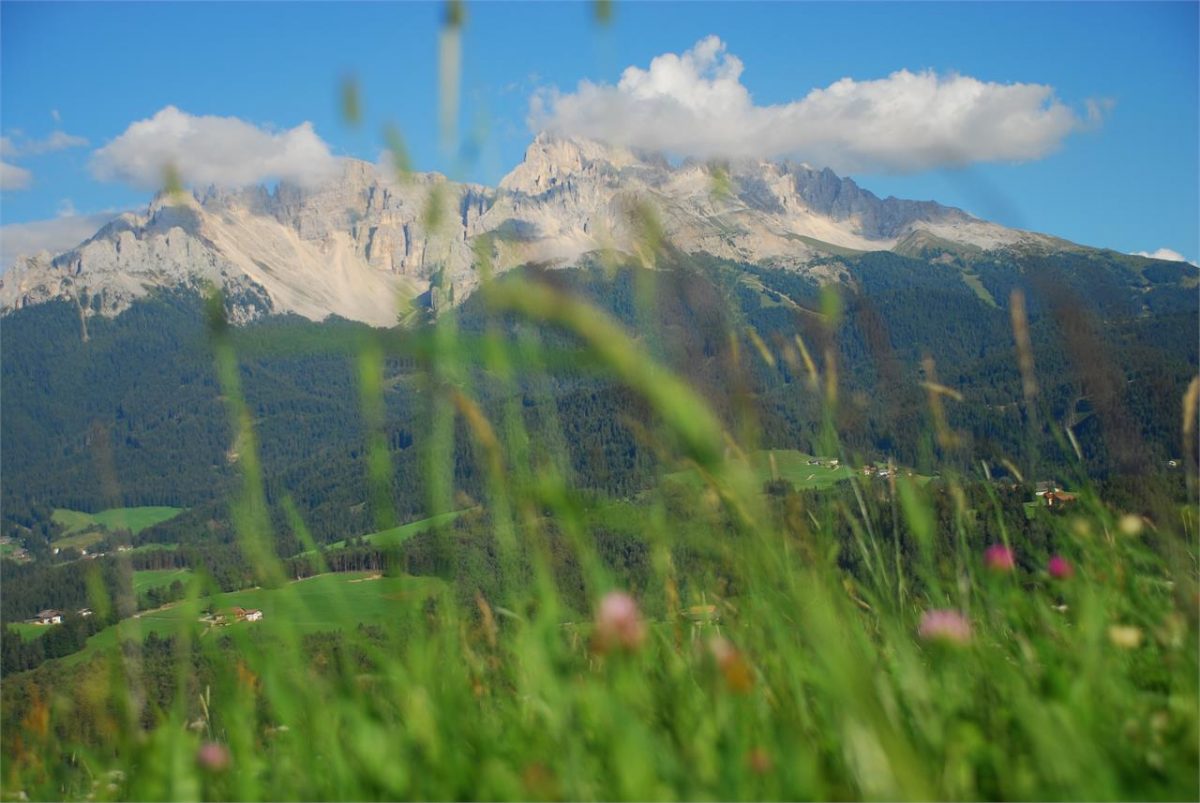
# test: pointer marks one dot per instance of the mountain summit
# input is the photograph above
(366, 242)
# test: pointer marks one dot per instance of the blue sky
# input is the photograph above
(1117, 168)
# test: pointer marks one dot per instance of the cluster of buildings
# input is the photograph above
(883, 472)
(51, 616)
(12, 550)
(233, 615)
(1053, 496)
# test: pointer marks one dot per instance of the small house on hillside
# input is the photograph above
(48, 617)
(237, 614)
(1058, 499)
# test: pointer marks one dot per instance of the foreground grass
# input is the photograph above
(887, 643)
(1083, 687)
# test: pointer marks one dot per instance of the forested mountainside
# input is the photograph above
(131, 414)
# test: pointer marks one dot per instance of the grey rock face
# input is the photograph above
(367, 243)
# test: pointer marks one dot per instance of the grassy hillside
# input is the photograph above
(398, 535)
(803, 471)
(29, 631)
(147, 579)
(322, 603)
(133, 519)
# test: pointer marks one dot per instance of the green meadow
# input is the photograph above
(398, 535)
(81, 530)
(781, 464)
(29, 631)
(146, 579)
(327, 602)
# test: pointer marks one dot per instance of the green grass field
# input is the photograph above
(133, 519)
(29, 631)
(786, 464)
(322, 603)
(973, 281)
(398, 535)
(147, 579)
(156, 547)
(80, 540)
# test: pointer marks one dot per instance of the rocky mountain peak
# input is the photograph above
(358, 243)
(551, 159)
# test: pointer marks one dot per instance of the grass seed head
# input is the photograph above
(1127, 637)
(1130, 524)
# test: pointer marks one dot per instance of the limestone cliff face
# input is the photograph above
(361, 247)
(366, 243)
(572, 197)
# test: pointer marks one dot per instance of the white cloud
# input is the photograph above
(224, 151)
(57, 141)
(55, 236)
(13, 177)
(1162, 253)
(695, 104)
(12, 148)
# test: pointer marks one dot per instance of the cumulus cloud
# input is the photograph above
(224, 151)
(57, 235)
(13, 177)
(695, 104)
(1162, 253)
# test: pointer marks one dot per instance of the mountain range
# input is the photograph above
(367, 243)
(110, 396)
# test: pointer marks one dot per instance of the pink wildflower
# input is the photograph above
(213, 756)
(737, 672)
(945, 626)
(759, 761)
(999, 558)
(1060, 568)
(618, 623)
